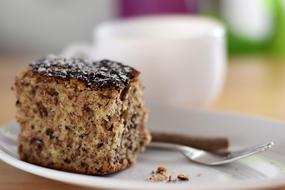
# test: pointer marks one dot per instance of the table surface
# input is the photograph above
(254, 85)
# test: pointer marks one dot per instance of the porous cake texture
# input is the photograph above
(81, 116)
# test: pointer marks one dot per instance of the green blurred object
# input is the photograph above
(238, 44)
(278, 42)
(273, 42)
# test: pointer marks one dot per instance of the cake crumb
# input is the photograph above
(170, 179)
(182, 177)
(157, 177)
(161, 169)
(160, 174)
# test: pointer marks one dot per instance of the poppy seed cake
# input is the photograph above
(81, 116)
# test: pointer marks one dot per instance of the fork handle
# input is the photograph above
(210, 144)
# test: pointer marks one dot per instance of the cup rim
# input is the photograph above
(109, 30)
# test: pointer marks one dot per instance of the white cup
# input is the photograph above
(181, 58)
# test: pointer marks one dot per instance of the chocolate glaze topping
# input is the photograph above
(95, 74)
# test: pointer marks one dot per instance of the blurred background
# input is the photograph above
(255, 42)
(47, 26)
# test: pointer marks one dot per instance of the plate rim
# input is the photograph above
(102, 182)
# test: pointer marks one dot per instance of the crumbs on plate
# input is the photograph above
(161, 174)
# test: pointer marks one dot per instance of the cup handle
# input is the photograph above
(81, 50)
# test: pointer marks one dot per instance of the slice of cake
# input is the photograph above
(81, 116)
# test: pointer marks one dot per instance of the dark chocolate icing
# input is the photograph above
(95, 74)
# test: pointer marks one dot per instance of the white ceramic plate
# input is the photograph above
(265, 170)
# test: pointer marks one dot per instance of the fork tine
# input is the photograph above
(243, 154)
(254, 149)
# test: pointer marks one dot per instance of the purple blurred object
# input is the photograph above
(128, 8)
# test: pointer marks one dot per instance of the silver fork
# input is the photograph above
(212, 159)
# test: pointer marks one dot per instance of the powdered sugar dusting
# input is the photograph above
(95, 74)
